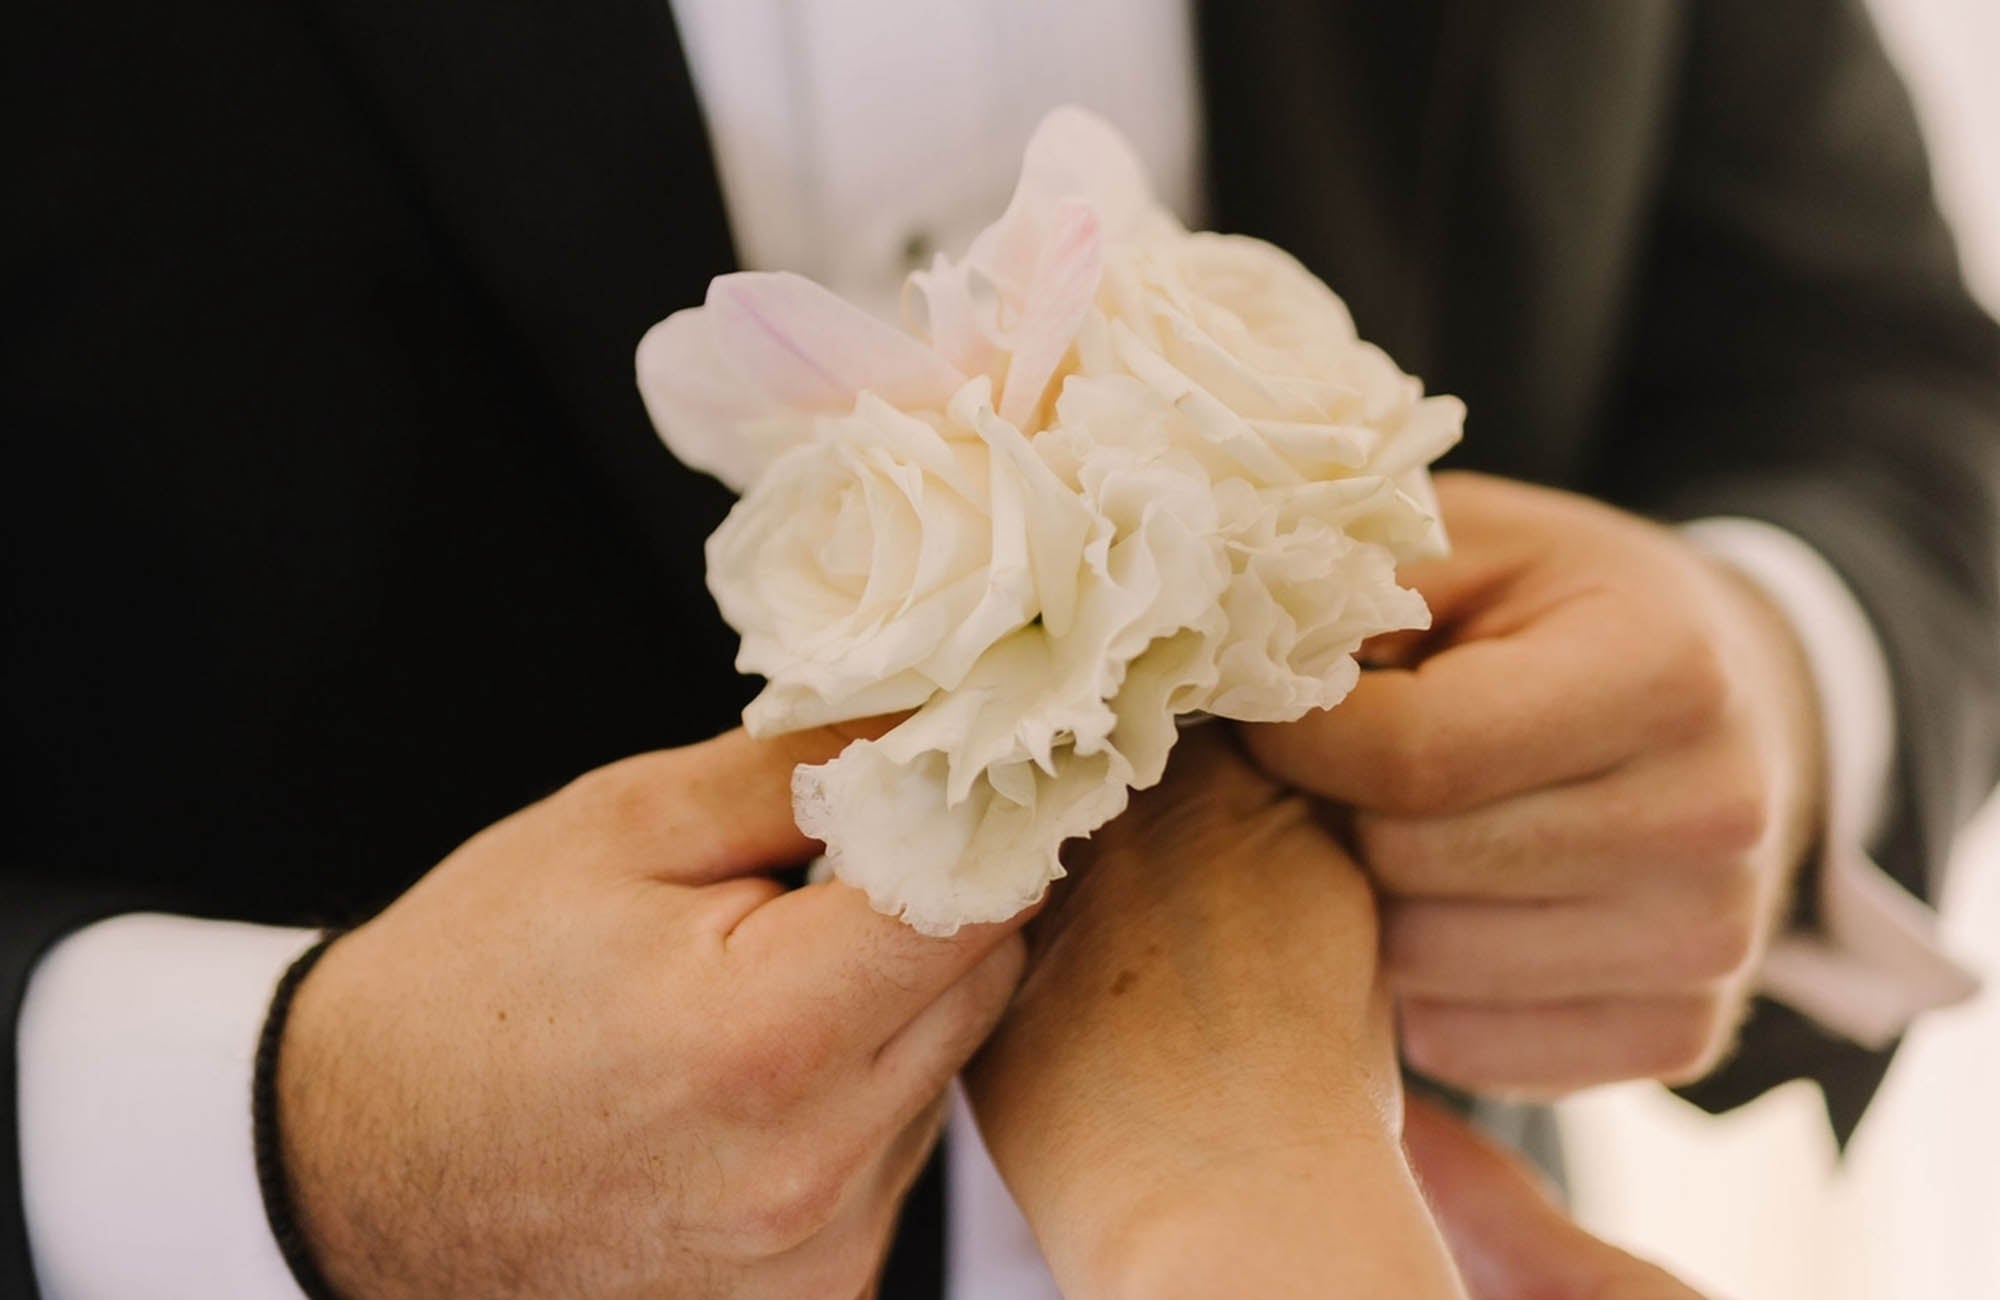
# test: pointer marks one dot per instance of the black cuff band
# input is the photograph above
(276, 1188)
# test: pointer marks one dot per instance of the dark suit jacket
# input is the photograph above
(335, 529)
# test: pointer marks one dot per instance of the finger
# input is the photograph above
(1550, 1049)
(1652, 942)
(914, 1066)
(1397, 649)
(1510, 1240)
(1696, 809)
(903, 1160)
(1477, 573)
(877, 1196)
(1576, 691)
(710, 811)
(825, 945)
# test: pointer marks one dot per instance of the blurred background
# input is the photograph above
(1753, 1206)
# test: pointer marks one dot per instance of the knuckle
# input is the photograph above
(1403, 953)
(1735, 821)
(762, 1073)
(1398, 850)
(624, 799)
(1728, 887)
(1419, 777)
(1683, 1044)
(716, 908)
(1719, 945)
(1696, 680)
(799, 1189)
(1433, 1044)
(1418, 958)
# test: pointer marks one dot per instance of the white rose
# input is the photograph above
(871, 567)
(957, 815)
(1086, 275)
(1262, 361)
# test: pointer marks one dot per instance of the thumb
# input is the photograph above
(1510, 1239)
(725, 805)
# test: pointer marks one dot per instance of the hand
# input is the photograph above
(1583, 799)
(1510, 1240)
(594, 1053)
(1195, 1092)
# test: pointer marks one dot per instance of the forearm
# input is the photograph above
(1315, 1219)
(1195, 1090)
(1208, 1163)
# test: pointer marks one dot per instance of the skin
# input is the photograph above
(1195, 1094)
(1510, 1239)
(597, 1051)
(1201, 1057)
(1583, 796)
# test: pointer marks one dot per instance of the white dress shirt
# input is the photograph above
(852, 138)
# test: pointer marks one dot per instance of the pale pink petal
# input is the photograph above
(943, 305)
(1074, 156)
(709, 417)
(736, 383)
(806, 347)
(1059, 293)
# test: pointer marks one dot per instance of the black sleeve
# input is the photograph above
(1805, 352)
(36, 911)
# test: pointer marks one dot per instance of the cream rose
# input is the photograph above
(1085, 276)
(1262, 361)
(957, 815)
(872, 566)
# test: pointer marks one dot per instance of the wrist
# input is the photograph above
(1328, 1216)
(274, 1181)
(1118, 1196)
(340, 1243)
(1093, 1178)
(1791, 725)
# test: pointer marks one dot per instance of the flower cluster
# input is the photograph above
(1116, 473)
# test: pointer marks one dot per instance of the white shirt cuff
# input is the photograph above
(1875, 962)
(136, 1042)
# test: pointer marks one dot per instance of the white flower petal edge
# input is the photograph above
(957, 814)
(939, 864)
